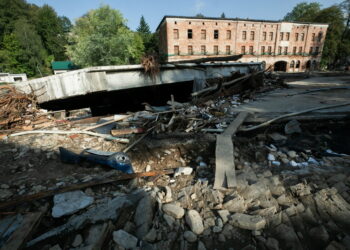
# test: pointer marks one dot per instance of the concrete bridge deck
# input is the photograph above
(114, 78)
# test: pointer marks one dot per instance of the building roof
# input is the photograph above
(233, 19)
(63, 65)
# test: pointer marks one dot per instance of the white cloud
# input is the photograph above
(198, 6)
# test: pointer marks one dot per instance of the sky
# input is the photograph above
(154, 10)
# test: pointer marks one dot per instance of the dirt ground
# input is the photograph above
(269, 163)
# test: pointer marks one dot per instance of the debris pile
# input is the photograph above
(19, 110)
(201, 181)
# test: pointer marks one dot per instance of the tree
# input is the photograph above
(101, 37)
(143, 27)
(10, 11)
(150, 40)
(51, 30)
(223, 15)
(303, 12)
(65, 24)
(200, 15)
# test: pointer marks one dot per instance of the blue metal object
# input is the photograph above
(118, 161)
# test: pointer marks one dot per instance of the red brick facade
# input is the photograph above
(288, 46)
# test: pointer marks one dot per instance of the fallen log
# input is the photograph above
(45, 194)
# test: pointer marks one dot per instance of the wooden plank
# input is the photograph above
(108, 122)
(48, 193)
(24, 232)
(232, 128)
(225, 174)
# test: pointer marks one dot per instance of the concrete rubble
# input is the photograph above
(301, 203)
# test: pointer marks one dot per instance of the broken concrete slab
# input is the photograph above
(70, 202)
(249, 222)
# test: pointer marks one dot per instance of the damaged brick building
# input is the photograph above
(287, 46)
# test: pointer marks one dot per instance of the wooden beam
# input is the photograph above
(225, 174)
(44, 194)
(19, 237)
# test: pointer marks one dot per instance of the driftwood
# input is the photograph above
(210, 59)
(225, 175)
(44, 194)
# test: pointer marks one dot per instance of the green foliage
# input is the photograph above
(200, 15)
(143, 27)
(30, 37)
(50, 28)
(101, 37)
(223, 15)
(33, 54)
(149, 40)
(303, 12)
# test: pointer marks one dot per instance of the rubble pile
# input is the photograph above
(292, 186)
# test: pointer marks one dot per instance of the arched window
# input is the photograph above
(297, 64)
(292, 64)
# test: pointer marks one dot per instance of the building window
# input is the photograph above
(269, 50)
(243, 50)
(228, 50)
(262, 49)
(189, 34)
(300, 50)
(281, 36)
(251, 50)
(252, 35)
(311, 50)
(320, 35)
(317, 50)
(287, 36)
(285, 50)
(313, 37)
(296, 37)
(244, 35)
(216, 34)
(302, 36)
(203, 34)
(176, 50)
(216, 50)
(294, 50)
(264, 36)
(190, 50)
(271, 36)
(279, 50)
(292, 64)
(175, 22)
(176, 34)
(203, 50)
(297, 64)
(228, 34)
